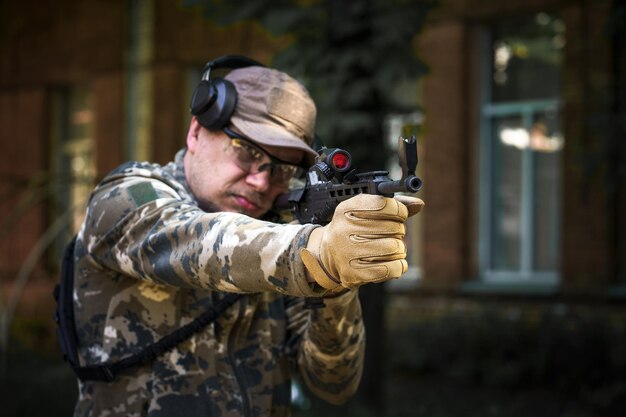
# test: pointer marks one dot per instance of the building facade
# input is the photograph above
(520, 108)
(517, 116)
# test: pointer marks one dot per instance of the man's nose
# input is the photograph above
(260, 180)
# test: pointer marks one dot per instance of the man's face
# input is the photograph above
(219, 183)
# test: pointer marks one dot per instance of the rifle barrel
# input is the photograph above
(410, 184)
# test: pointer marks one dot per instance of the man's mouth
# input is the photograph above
(247, 203)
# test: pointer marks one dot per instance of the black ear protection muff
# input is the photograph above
(214, 100)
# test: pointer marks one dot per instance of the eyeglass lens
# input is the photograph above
(253, 159)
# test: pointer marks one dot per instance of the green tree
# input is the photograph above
(352, 56)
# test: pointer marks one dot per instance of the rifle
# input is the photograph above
(332, 179)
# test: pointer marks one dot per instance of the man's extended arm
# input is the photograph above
(162, 239)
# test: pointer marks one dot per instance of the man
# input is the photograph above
(160, 245)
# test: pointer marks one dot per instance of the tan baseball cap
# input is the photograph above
(273, 109)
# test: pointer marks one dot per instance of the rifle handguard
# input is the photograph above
(333, 179)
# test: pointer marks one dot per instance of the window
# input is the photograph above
(521, 143)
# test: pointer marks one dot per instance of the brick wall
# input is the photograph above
(44, 45)
(451, 100)
(445, 167)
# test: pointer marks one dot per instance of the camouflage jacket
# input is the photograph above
(148, 261)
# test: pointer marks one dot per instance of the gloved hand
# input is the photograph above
(362, 243)
(413, 205)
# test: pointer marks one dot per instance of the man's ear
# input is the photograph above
(193, 135)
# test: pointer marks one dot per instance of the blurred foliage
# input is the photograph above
(527, 38)
(351, 55)
(36, 334)
(33, 384)
(503, 362)
(494, 359)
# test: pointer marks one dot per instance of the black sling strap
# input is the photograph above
(68, 339)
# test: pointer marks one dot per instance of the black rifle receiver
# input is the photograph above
(332, 179)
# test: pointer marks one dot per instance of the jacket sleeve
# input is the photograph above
(331, 346)
(141, 227)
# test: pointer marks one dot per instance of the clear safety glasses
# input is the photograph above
(252, 159)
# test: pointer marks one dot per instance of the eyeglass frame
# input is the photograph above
(273, 161)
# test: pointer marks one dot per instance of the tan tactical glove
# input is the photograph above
(362, 243)
(413, 205)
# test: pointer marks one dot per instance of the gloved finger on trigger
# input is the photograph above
(414, 205)
(376, 207)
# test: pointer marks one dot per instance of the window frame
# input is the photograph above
(525, 276)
